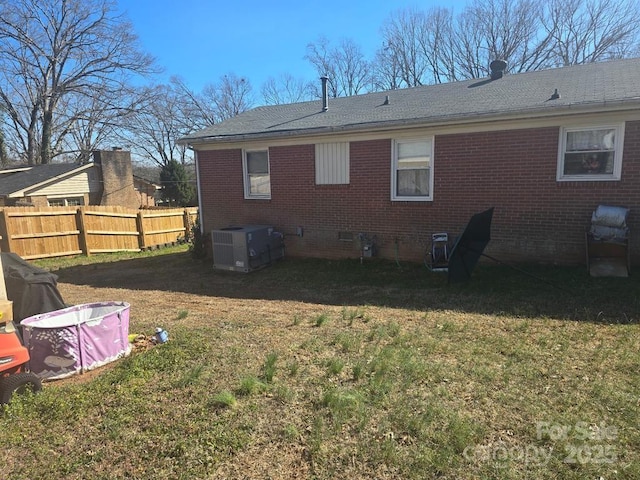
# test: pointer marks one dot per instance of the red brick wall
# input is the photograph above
(536, 218)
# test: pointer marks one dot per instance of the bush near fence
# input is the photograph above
(41, 232)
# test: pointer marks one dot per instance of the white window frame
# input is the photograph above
(591, 177)
(246, 176)
(66, 201)
(394, 170)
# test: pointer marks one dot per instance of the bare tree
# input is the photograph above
(403, 38)
(585, 31)
(166, 113)
(4, 156)
(230, 96)
(510, 30)
(348, 70)
(385, 70)
(437, 45)
(418, 48)
(286, 89)
(96, 119)
(51, 50)
(352, 68)
(434, 46)
(198, 111)
(321, 56)
(155, 127)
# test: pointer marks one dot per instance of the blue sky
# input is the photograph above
(202, 40)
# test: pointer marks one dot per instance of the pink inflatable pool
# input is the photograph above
(76, 339)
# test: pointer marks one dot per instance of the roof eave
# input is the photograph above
(15, 170)
(442, 120)
(25, 191)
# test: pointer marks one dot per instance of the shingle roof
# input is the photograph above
(605, 84)
(15, 182)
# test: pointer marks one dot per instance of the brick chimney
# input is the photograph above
(117, 178)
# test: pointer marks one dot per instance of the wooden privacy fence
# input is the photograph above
(40, 232)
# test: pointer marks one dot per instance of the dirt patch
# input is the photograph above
(140, 344)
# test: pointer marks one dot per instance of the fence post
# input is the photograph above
(6, 234)
(142, 239)
(83, 238)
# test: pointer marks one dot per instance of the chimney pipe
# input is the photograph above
(325, 93)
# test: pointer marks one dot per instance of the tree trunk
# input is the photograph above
(45, 146)
(31, 137)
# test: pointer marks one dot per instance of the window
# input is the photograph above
(411, 172)
(65, 202)
(593, 153)
(257, 181)
(332, 163)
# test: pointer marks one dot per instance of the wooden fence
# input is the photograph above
(40, 232)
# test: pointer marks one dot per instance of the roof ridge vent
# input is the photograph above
(497, 67)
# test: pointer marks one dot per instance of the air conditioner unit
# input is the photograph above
(247, 247)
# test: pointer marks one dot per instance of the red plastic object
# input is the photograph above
(13, 355)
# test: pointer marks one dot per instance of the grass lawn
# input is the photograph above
(317, 369)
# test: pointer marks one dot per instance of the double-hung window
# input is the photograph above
(590, 153)
(257, 180)
(411, 175)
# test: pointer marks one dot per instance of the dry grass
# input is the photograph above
(312, 369)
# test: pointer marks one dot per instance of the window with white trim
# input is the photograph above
(65, 202)
(332, 163)
(590, 153)
(411, 175)
(257, 179)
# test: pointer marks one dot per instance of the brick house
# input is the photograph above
(108, 180)
(544, 148)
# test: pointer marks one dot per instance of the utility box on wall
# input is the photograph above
(246, 248)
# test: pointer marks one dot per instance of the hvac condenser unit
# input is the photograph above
(245, 248)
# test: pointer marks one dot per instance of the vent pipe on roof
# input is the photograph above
(498, 67)
(325, 93)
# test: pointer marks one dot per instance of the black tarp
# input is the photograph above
(470, 246)
(31, 289)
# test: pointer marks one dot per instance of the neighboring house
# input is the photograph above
(544, 148)
(148, 191)
(108, 180)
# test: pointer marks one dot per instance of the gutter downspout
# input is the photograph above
(200, 216)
